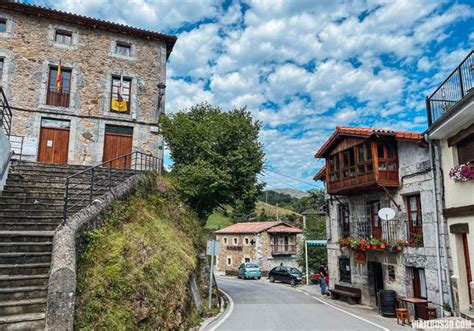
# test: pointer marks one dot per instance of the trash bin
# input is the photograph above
(387, 303)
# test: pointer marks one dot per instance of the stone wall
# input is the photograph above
(415, 178)
(29, 49)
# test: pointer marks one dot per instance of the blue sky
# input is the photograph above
(302, 67)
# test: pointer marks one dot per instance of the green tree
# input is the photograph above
(317, 256)
(216, 157)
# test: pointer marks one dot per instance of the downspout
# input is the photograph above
(438, 247)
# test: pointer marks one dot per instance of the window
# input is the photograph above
(466, 149)
(236, 240)
(246, 240)
(247, 260)
(391, 272)
(59, 92)
(229, 260)
(225, 240)
(63, 37)
(3, 25)
(387, 155)
(122, 49)
(373, 226)
(344, 269)
(343, 219)
(415, 224)
(120, 102)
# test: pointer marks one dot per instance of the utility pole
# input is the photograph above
(278, 219)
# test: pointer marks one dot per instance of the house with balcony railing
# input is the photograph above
(450, 113)
(365, 171)
(268, 244)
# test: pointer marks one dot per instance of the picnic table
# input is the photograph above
(414, 302)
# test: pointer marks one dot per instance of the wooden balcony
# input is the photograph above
(283, 250)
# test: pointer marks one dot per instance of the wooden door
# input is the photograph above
(53, 145)
(116, 145)
(467, 262)
(373, 208)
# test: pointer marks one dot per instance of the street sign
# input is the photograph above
(213, 248)
(319, 243)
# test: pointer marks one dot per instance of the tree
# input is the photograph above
(216, 157)
(317, 256)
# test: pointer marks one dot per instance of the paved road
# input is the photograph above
(260, 305)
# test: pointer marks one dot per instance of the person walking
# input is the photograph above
(322, 280)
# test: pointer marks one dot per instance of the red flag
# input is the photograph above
(59, 78)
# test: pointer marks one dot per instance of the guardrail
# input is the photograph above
(16, 145)
(5, 113)
(452, 90)
(81, 187)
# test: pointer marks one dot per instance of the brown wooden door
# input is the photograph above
(467, 261)
(53, 145)
(116, 145)
(373, 208)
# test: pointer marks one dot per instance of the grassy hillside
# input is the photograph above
(134, 273)
(271, 210)
(217, 221)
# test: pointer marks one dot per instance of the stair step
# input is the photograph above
(26, 236)
(24, 257)
(23, 293)
(24, 269)
(33, 321)
(31, 218)
(23, 280)
(18, 213)
(22, 306)
(25, 246)
(28, 226)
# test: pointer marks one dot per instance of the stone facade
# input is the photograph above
(236, 249)
(397, 268)
(28, 49)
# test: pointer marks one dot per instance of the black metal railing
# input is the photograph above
(82, 187)
(5, 113)
(458, 84)
(16, 145)
(388, 231)
(344, 230)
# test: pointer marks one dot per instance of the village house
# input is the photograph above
(82, 90)
(367, 170)
(268, 244)
(450, 113)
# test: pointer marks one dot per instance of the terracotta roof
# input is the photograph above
(366, 133)
(256, 227)
(94, 23)
(321, 174)
(284, 229)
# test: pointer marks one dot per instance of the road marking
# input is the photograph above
(226, 314)
(306, 293)
(353, 315)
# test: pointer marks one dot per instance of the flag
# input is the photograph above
(119, 104)
(59, 78)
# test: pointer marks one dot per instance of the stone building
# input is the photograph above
(100, 63)
(267, 243)
(367, 170)
(450, 113)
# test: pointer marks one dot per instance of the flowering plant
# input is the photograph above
(462, 173)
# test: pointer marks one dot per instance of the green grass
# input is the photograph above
(271, 210)
(135, 271)
(217, 221)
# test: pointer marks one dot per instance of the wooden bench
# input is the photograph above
(353, 295)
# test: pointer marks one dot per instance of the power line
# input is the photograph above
(287, 176)
(283, 182)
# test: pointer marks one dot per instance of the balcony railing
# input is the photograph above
(388, 231)
(5, 113)
(452, 90)
(283, 249)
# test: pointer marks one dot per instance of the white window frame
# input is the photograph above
(246, 241)
(227, 261)
(9, 26)
(133, 49)
(225, 241)
(235, 241)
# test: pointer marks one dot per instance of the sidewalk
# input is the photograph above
(369, 313)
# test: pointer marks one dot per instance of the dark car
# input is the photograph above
(288, 275)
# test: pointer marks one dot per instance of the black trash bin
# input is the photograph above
(387, 303)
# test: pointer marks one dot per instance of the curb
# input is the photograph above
(226, 307)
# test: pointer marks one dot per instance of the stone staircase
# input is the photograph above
(31, 207)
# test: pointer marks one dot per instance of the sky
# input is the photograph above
(302, 67)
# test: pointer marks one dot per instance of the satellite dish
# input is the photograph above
(386, 214)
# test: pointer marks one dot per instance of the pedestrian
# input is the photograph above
(326, 272)
(322, 280)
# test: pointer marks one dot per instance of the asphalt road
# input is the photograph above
(260, 305)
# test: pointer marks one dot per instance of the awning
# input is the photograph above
(317, 243)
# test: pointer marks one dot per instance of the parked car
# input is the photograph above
(249, 270)
(288, 275)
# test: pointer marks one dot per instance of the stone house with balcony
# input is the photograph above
(450, 113)
(268, 244)
(82, 90)
(367, 170)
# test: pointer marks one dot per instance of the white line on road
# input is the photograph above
(306, 293)
(353, 315)
(227, 313)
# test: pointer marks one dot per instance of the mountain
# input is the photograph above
(291, 191)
